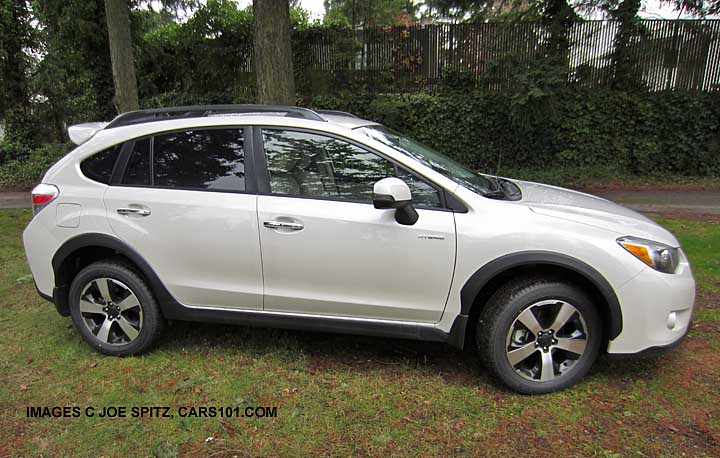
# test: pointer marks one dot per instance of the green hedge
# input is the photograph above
(645, 134)
(661, 135)
(27, 168)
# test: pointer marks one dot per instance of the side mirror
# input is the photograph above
(395, 193)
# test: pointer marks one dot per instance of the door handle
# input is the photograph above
(134, 211)
(283, 225)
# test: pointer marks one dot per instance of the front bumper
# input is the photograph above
(656, 310)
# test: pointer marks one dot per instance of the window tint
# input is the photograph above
(305, 164)
(99, 167)
(423, 194)
(312, 165)
(196, 159)
(138, 168)
(200, 159)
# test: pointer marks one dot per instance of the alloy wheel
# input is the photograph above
(546, 340)
(111, 311)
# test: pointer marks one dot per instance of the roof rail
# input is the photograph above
(336, 113)
(199, 111)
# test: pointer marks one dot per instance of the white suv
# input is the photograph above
(319, 220)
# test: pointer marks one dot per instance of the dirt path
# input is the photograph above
(700, 202)
(14, 200)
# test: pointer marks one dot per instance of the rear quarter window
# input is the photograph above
(99, 167)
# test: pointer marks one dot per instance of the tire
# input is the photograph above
(127, 324)
(504, 326)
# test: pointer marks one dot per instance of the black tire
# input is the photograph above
(149, 326)
(502, 311)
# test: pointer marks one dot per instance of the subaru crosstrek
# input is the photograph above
(319, 220)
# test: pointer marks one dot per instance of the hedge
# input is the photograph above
(26, 169)
(664, 134)
(644, 134)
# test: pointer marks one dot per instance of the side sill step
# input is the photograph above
(298, 322)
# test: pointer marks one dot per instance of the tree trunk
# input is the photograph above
(273, 54)
(117, 14)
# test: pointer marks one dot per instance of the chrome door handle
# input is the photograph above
(133, 211)
(283, 225)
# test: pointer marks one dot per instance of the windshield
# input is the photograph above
(436, 161)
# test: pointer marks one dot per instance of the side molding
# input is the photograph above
(529, 258)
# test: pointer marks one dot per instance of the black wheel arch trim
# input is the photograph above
(163, 296)
(485, 274)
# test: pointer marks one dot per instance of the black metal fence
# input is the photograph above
(664, 54)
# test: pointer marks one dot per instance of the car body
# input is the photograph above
(287, 217)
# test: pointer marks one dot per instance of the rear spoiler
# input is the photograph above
(80, 133)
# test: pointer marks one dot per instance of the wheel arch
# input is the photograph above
(486, 280)
(82, 250)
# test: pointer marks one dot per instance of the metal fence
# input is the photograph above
(665, 54)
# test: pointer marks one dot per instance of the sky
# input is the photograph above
(651, 9)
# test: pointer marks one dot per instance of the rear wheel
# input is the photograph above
(113, 309)
(539, 335)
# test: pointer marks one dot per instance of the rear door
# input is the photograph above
(186, 202)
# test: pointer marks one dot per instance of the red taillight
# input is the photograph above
(40, 199)
(42, 195)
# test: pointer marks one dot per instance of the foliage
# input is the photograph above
(664, 133)
(28, 166)
(369, 12)
(17, 37)
(209, 54)
(73, 82)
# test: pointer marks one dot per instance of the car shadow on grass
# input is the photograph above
(320, 352)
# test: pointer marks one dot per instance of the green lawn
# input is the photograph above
(343, 395)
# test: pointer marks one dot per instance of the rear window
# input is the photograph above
(99, 167)
(212, 160)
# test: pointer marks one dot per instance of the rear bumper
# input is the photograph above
(60, 305)
(657, 310)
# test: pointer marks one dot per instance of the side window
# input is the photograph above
(99, 167)
(305, 164)
(211, 160)
(312, 165)
(423, 194)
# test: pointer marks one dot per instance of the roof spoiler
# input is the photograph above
(80, 133)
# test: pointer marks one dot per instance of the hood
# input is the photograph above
(591, 210)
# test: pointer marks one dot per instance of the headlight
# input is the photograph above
(659, 256)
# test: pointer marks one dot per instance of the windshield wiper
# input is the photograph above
(495, 194)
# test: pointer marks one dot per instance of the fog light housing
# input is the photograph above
(671, 320)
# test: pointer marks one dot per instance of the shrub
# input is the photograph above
(29, 169)
(647, 134)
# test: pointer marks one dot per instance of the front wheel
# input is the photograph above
(113, 309)
(539, 335)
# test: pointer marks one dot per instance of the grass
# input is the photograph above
(342, 395)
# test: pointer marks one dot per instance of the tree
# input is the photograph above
(479, 10)
(117, 14)
(75, 74)
(273, 53)
(16, 38)
(623, 58)
(369, 12)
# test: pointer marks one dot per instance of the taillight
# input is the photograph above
(42, 195)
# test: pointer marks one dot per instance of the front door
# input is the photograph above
(327, 251)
